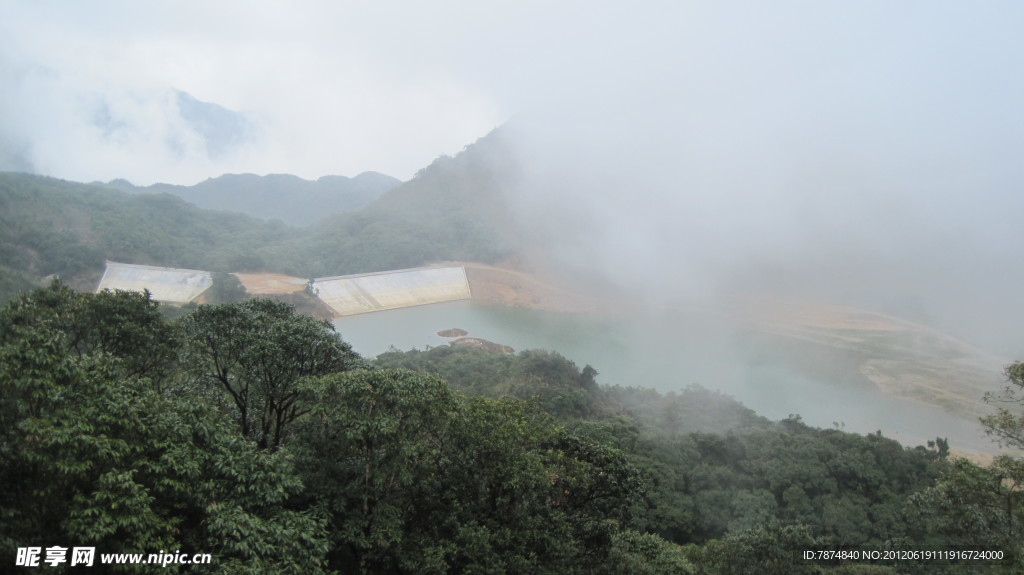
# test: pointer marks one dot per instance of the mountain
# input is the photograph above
(451, 210)
(85, 128)
(55, 227)
(454, 209)
(221, 129)
(291, 199)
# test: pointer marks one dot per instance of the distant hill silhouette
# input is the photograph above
(291, 199)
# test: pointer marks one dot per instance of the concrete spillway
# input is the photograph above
(362, 293)
(171, 285)
(346, 295)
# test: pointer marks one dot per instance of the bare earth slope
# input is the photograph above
(903, 359)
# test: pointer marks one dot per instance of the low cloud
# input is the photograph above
(874, 166)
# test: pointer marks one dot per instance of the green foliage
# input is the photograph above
(387, 471)
(226, 289)
(844, 486)
(772, 549)
(49, 226)
(369, 440)
(123, 325)
(93, 454)
(256, 352)
(112, 433)
(693, 409)
(546, 377)
(466, 369)
(635, 553)
(451, 210)
(982, 506)
(421, 480)
(1006, 426)
(702, 485)
(979, 507)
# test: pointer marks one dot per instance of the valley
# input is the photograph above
(669, 288)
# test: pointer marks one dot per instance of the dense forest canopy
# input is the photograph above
(255, 434)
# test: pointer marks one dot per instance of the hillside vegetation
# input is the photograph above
(50, 226)
(257, 435)
(451, 210)
(455, 210)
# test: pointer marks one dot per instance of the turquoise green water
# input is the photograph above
(670, 350)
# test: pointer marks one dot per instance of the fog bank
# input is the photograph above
(862, 155)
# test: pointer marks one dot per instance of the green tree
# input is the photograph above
(635, 553)
(94, 454)
(226, 288)
(370, 439)
(979, 506)
(771, 549)
(256, 352)
(1006, 426)
(122, 324)
(419, 479)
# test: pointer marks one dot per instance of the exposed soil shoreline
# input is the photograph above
(515, 288)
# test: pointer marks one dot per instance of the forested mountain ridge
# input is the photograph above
(451, 210)
(293, 200)
(54, 227)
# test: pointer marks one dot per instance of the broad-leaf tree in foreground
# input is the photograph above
(420, 479)
(1006, 426)
(93, 454)
(256, 351)
(983, 507)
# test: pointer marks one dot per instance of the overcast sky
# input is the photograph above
(344, 87)
(332, 87)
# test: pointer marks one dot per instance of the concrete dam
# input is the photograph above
(363, 293)
(345, 295)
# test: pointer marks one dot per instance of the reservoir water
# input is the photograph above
(671, 350)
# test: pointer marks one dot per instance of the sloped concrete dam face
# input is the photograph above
(172, 285)
(362, 293)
